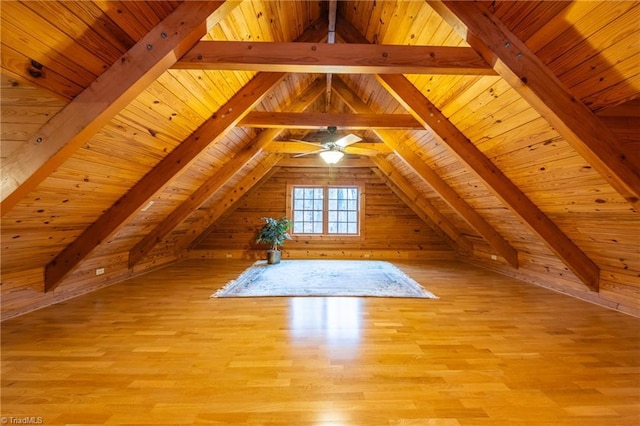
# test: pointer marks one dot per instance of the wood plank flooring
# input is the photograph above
(157, 350)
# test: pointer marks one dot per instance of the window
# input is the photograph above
(308, 210)
(326, 210)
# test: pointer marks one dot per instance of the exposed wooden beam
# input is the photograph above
(528, 75)
(219, 179)
(318, 120)
(457, 203)
(293, 147)
(331, 39)
(316, 162)
(496, 181)
(63, 134)
(178, 160)
(428, 175)
(337, 58)
(199, 230)
(195, 200)
(332, 14)
(158, 178)
(627, 109)
(416, 209)
(440, 220)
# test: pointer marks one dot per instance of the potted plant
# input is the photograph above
(274, 232)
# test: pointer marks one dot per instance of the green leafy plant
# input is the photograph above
(274, 232)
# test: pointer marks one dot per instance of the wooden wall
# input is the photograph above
(390, 228)
(619, 289)
(591, 47)
(22, 288)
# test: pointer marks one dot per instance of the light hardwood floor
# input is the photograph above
(157, 350)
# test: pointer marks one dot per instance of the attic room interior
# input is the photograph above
(494, 148)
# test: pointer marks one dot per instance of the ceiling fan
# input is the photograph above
(333, 150)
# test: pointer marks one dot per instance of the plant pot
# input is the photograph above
(273, 257)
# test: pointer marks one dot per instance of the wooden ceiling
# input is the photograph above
(512, 125)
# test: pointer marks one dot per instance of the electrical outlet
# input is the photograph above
(494, 257)
(99, 271)
(229, 255)
(367, 255)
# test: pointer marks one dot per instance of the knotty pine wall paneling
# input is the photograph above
(22, 290)
(390, 229)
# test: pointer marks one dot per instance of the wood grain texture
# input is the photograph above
(124, 79)
(490, 350)
(496, 180)
(216, 181)
(178, 160)
(387, 169)
(388, 223)
(333, 58)
(476, 221)
(590, 46)
(536, 83)
(323, 120)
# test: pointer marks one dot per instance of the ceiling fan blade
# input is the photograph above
(369, 152)
(308, 153)
(347, 140)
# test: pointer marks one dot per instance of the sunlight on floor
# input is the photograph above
(334, 320)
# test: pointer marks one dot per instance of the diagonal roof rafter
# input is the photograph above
(64, 133)
(178, 160)
(230, 202)
(219, 179)
(429, 176)
(159, 177)
(527, 74)
(496, 181)
(413, 198)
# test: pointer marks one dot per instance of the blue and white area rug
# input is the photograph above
(324, 278)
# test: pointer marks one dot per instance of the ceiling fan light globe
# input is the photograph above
(331, 157)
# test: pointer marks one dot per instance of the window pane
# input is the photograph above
(342, 210)
(306, 207)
